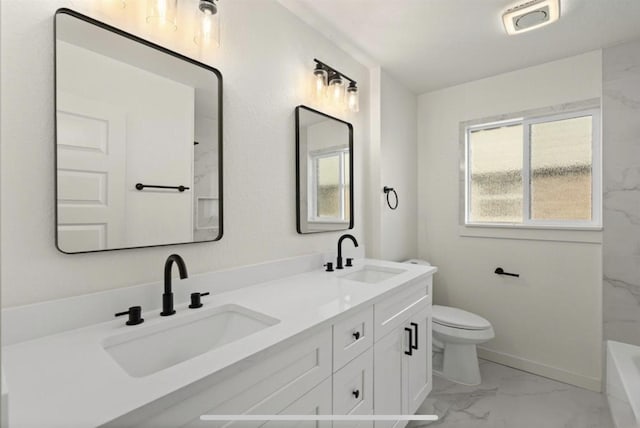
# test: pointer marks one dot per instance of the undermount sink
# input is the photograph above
(373, 274)
(149, 350)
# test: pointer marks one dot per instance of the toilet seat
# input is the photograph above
(458, 318)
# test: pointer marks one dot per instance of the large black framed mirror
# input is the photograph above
(324, 172)
(138, 148)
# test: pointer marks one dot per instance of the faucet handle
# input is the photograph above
(135, 315)
(329, 266)
(195, 300)
(349, 262)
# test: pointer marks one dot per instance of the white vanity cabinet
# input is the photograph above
(337, 344)
(402, 353)
(375, 361)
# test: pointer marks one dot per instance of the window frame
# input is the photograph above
(312, 190)
(526, 121)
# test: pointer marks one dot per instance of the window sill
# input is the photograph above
(590, 235)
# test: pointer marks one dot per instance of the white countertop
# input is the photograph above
(68, 379)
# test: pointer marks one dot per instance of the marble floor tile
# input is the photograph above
(510, 398)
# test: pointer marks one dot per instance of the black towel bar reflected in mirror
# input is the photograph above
(141, 186)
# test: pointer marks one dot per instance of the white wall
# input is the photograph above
(398, 152)
(392, 162)
(549, 320)
(266, 60)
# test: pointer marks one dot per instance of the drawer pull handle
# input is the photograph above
(410, 351)
(356, 335)
(356, 393)
(415, 326)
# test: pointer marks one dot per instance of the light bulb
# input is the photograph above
(336, 89)
(320, 81)
(207, 24)
(353, 102)
(161, 14)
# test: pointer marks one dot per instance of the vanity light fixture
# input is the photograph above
(161, 14)
(531, 15)
(353, 102)
(336, 87)
(320, 80)
(207, 23)
(332, 82)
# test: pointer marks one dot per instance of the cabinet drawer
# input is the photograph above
(351, 337)
(398, 308)
(353, 387)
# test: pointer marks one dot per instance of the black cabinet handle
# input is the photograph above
(500, 271)
(356, 335)
(410, 351)
(415, 326)
(135, 315)
(356, 393)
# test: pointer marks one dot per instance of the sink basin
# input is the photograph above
(149, 350)
(373, 274)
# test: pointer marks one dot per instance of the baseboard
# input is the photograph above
(593, 384)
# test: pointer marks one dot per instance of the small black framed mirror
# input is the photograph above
(138, 147)
(324, 172)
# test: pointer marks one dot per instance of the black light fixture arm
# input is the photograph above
(333, 70)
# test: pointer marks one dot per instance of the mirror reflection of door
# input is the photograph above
(91, 153)
(325, 173)
(129, 113)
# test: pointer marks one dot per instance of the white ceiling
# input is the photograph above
(432, 44)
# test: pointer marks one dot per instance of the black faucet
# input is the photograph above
(167, 296)
(342, 238)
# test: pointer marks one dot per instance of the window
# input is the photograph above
(538, 171)
(329, 187)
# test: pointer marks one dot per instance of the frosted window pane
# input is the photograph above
(496, 175)
(328, 199)
(561, 161)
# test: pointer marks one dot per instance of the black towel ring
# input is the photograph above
(388, 190)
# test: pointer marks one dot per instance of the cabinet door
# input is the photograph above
(315, 402)
(387, 378)
(418, 365)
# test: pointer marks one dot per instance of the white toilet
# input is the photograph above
(455, 336)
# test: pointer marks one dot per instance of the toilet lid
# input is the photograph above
(457, 318)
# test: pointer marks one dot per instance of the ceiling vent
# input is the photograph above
(531, 15)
